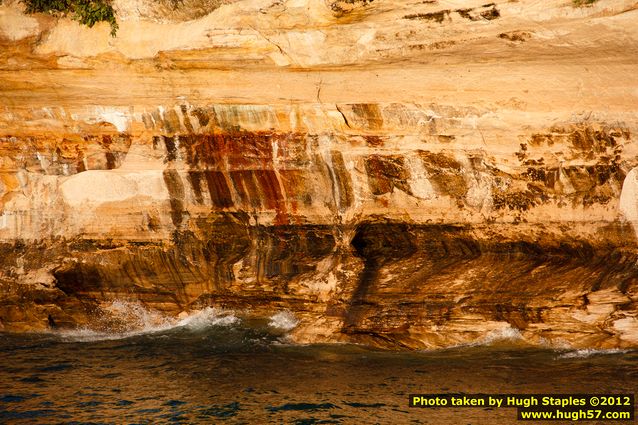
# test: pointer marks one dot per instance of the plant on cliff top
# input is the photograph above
(87, 12)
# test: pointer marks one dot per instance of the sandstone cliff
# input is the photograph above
(406, 174)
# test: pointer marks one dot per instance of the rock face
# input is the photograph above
(393, 173)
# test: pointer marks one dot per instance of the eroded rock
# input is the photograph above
(396, 174)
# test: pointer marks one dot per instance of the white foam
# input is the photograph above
(589, 352)
(503, 334)
(90, 335)
(283, 320)
(137, 316)
(139, 320)
(208, 317)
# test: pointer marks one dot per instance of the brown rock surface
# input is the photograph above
(402, 174)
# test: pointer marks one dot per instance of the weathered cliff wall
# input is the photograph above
(402, 174)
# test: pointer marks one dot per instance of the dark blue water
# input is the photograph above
(241, 373)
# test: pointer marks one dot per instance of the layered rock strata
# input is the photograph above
(404, 175)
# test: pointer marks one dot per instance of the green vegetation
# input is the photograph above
(87, 12)
(581, 3)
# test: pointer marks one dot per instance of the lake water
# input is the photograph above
(219, 368)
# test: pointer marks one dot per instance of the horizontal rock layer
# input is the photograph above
(481, 184)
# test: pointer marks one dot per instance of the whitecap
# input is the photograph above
(503, 334)
(135, 319)
(589, 352)
(284, 320)
(207, 317)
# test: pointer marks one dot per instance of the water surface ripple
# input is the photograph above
(245, 373)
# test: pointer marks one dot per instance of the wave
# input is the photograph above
(589, 352)
(125, 319)
(120, 319)
(505, 334)
(508, 333)
(284, 320)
